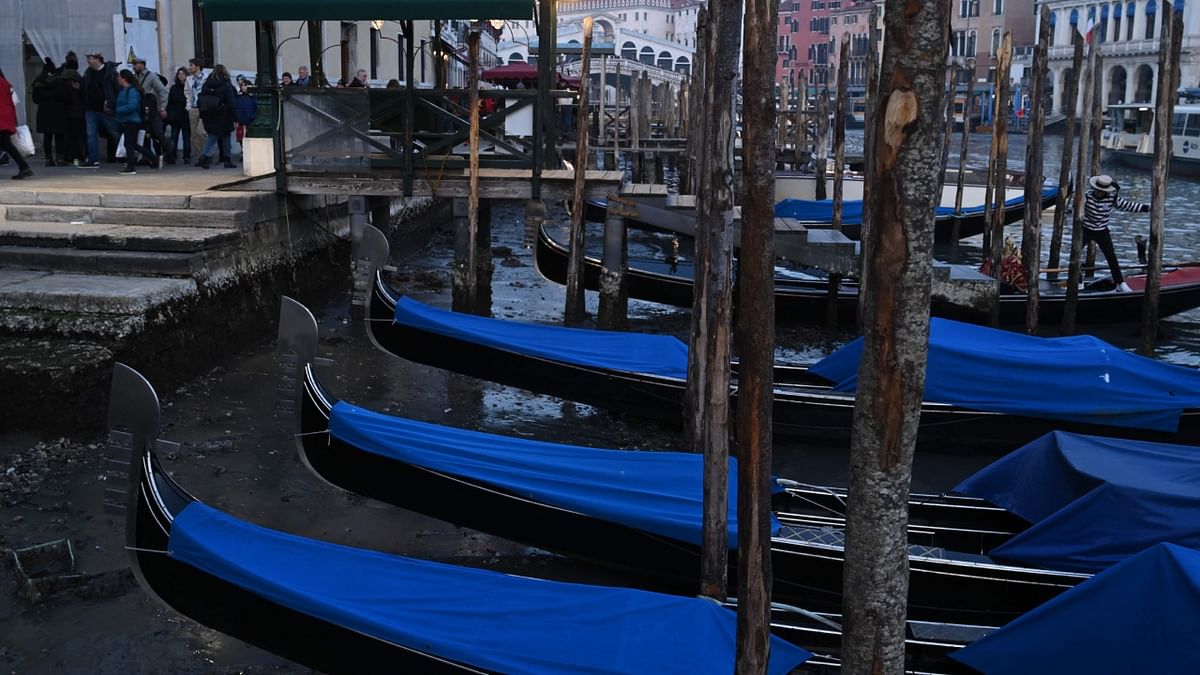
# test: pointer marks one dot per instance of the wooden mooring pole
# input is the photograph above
(1064, 171)
(1081, 183)
(1031, 236)
(951, 80)
(1168, 85)
(1093, 138)
(903, 170)
(707, 419)
(955, 227)
(821, 152)
(800, 121)
(466, 212)
(616, 147)
(1000, 177)
(576, 309)
(839, 167)
(756, 336)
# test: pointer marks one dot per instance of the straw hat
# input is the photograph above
(1103, 182)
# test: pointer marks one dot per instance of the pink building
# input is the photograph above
(804, 40)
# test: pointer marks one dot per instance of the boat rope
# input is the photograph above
(311, 433)
(145, 550)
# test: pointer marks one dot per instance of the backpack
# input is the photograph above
(210, 105)
(149, 107)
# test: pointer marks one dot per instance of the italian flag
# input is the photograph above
(1086, 28)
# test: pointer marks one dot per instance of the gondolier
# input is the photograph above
(1102, 197)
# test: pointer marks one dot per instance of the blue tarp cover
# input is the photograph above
(1079, 379)
(615, 350)
(659, 492)
(1093, 501)
(1141, 616)
(821, 211)
(487, 619)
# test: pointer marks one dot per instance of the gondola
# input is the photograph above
(377, 456)
(343, 610)
(807, 298)
(797, 200)
(647, 376)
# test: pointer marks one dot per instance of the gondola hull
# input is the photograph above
(804, 407)
(807, 558)
(946, 227)
(657, 281)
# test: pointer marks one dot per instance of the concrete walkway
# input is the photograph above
(172, 180)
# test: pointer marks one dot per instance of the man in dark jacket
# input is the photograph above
(100, 104)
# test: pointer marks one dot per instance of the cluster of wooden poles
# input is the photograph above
(906, 145)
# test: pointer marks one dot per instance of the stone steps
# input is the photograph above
(154, 217)
(93, 236)
(127, 263)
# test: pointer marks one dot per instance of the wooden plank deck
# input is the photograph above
(493, 184)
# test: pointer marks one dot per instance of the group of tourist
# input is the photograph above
(134, 110)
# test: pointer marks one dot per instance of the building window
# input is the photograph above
(968, 8)
(971, 43)
(1117, 24)
(997, 7)
(1151, 10)
(995, 41)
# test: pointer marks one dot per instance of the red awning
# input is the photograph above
(524, 73)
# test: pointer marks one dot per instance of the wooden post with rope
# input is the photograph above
(1168, 84)
(576, 309)
(1064, 171)
(1031, 236)
(1081, 182)
(1000, 176)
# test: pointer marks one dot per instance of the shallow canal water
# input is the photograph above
(238, 451)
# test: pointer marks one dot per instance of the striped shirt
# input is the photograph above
(1097, 210)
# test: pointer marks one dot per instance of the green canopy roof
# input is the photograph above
(364, 10)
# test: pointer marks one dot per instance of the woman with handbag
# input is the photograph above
(129, 116)
(8, 127)
(216, 104)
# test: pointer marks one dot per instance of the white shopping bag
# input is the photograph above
(23, 141)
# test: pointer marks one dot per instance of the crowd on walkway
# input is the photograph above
(144, 119)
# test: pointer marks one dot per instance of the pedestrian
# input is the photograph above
(70, 85)
(285, 80)
(130, 115)
(99, 105)
(154, 101)
(216, 108)
(245, 108)
(360, 79)
(195, 82)
(51, 111)
(177, 118)
(302, 78)
(8, 127)
(1102, 197)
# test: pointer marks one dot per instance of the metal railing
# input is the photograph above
(357, 130)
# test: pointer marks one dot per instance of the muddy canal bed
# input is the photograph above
(237, 454)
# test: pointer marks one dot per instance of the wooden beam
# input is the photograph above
(904, 172)
(1031, 236)
(1064, 171)
(1000, 178)
(1168, 85)
(1081, 181)
(709, 349)
(576, 309)
(756, 335)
